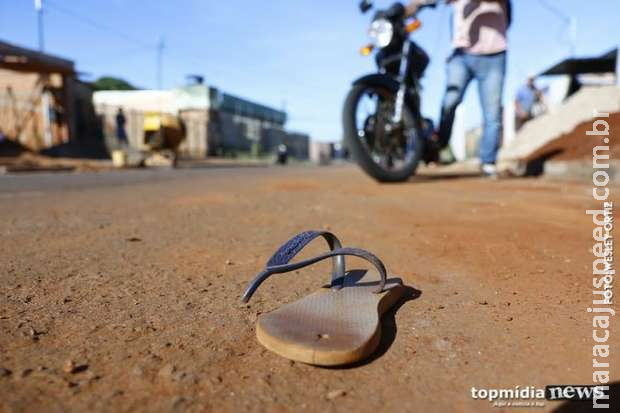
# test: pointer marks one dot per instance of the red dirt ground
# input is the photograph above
(121, 295)
(577, 145)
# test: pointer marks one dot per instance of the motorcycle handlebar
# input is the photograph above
(396, 10)
(365, 5)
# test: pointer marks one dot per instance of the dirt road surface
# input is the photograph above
(120, 291)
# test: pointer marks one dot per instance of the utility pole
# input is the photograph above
(38, 6)
(160, 58)
(45, 99)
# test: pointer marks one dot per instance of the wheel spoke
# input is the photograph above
(382, 139)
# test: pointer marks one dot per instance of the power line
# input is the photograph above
(558, 13)
(159, 47)
(569, 21)
(212, 66)
(310, 91)
(136, 51)
(95, 24)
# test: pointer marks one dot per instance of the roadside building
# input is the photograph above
(44, 106)
(568, 76)
(37, 97)
(135, 104)
(321, 153)
(240, 125)
(564, 79)
(575, 87)
(297, 144)
(216, 123)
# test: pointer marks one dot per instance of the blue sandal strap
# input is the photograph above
(292, 247)
(281, 265)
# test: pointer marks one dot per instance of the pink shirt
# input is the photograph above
(479, 27)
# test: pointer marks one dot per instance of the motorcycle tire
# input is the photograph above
(358, 149)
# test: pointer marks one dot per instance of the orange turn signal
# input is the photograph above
(413, 26)
(366, 50)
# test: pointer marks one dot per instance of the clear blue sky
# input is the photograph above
(298, 53)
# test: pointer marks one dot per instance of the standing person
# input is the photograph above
(121, 120)
(479, 41)
(528, 96)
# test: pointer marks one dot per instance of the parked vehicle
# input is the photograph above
(383, 127)
(163, 131)
(163, 134)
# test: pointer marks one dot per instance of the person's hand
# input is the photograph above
(413, 6)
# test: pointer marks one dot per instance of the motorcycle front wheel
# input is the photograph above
(386, 151)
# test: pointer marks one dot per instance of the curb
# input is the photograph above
(580, 170)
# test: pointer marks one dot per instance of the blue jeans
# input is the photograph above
(489, 71)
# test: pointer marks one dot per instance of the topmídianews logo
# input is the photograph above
(530, 396)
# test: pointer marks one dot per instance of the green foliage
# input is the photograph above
(112, 83)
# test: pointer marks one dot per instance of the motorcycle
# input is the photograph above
(383, 127)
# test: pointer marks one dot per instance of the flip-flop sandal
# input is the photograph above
(340, 323)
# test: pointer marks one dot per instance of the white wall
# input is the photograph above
(457, 140)
(138, 100)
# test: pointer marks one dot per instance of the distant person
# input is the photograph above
(528, 103)
(121, 120)
(282, 154)
(480, 42)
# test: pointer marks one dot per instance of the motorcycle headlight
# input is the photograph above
(381, 32)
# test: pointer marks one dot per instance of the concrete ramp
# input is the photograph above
(562, 119)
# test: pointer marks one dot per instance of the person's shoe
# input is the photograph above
(489, 170)
(431, 151)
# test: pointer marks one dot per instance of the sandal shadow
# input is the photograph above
(389, 329)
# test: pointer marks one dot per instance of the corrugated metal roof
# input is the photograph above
(605, 63)
(26, 60)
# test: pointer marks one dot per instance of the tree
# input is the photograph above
(112, 83)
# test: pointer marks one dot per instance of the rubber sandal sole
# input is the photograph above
(331, 327)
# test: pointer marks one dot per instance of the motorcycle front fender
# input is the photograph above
(380, 80)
